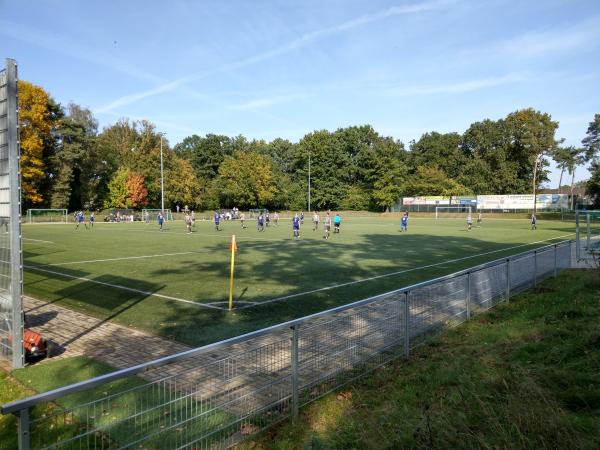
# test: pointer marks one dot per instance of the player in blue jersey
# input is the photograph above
(302, 217)
(81, 220)
(296, 226)
(260, 222)
(217, 220)
(267, 218)
(404, 223)
(161, 220)
(337, 221)
(92, 220)
(533, 222)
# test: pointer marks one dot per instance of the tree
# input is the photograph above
(246, 180)
(431, 180)
(575, 158)
(181, 185)
(593, 184)
(531, 139)
(38, 115)
(439, 150)
(117, 190)
(562, 156)
(137, 194)
(591, 143)
(207, 153)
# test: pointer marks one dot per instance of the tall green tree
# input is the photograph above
(442, 150)
(532, 137)
(591, 142)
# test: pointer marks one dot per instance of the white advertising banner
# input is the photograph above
(522, 201)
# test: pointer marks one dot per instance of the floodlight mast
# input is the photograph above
(162, 183)
(309, 181)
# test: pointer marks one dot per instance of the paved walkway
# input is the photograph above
(76, 334)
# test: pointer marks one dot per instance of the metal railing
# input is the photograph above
(216, 395)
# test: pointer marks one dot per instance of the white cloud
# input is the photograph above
(267, 101)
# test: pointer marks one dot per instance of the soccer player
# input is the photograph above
(161, 220)
(296, 226)
(315, 221)
(242, 219)
(217, 220)
(479, 219)
(337, 221)
(188, 223)
(533, 222)
(404, 223)
(469, 222)
(193, 217)
(267, 218)
(301, 216)
(92, 219)
(276, 219)
(326, 226)
(260, 222)
(146, 217)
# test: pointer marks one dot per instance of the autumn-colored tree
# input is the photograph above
(117, 190)
(181, 184)
(38, 115)
(137, 194)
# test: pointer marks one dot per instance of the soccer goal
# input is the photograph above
(47, 215)
(442, 212)
(152, 214)
(257, 211)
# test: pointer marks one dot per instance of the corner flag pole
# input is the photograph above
(233, 250)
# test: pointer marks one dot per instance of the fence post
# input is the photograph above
(507, 279)
(406, 326)
(588, 241)
(23, 438)
(535, 268)
(294, 371)
(577, 236)
(555, 259)
(468, 299)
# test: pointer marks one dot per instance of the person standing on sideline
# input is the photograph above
(533, 222)
(161, 220)
(302, 217)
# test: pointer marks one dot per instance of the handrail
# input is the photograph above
(16, 406)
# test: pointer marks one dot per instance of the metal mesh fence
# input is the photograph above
(11, 323)
(588, 237)
(215, 396)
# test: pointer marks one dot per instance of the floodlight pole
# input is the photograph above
(162, 184)
(308, 181)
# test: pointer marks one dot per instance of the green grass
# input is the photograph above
(157, 410)
(524, 375)
(268, 265)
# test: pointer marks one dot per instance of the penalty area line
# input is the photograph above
(125, 288)
(391, 274)
(124, 258)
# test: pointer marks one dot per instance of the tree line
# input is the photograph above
(67, 162)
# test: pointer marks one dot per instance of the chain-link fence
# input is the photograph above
(11, 317)
(216, 395)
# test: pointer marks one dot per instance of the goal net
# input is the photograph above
(257, 212)
(587, 235)
(150, 215)
(47, 215)
(442, 212)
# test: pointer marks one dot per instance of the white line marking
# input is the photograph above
(349, 283)
(125, 288)
(38, 240)
(113, 259)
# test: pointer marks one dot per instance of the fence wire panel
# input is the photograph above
(488, 287)
(350, 344)
(522, 273)
(563, 256)
(203, 402)
(442, 303)
(545, 263)
(11, 320)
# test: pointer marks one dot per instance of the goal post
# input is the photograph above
(46, 215)
(587, 234)
(442, 212)
(151, 215)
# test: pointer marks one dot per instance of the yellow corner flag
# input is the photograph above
(233, 248)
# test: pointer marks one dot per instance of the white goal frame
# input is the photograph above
(462, 209)
(153, 212)
(61, 215)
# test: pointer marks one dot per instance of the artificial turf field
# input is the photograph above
(176, 284)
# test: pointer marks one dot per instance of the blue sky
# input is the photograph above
(277, 68)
